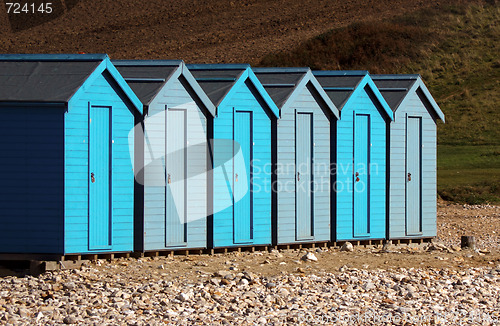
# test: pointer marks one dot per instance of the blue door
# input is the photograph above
(176, 172)
(99, 178)
(413, 176)
(361, 189)
(243, 208)
(304, 176)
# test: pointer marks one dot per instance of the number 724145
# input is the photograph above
(28, 8)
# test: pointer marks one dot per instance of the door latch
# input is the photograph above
(236, 177)
(169, 179)
(409, 176)
(298, 176)
(92, 177)
(357, 176)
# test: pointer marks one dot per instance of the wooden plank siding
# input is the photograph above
(412, 106)
(175, 94)
(304, 102)
(245, 98)
(101, 91)
(362, 103)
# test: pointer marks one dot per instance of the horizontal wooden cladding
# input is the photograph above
(175, 96)
(243, 99)
(397, 208)
(101, 93)
(344, 219)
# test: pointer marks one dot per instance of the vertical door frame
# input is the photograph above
(110, 178)
(250, 169)
(311, 237)
(185, 242)
(407, 117)
(368, 175)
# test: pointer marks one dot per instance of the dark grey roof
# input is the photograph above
(41, 80)
(394, 89)
(339, 87)
(146, 80)
(279, 84)
(216, 80)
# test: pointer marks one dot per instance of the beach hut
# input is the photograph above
(412, 148)
(305, 134)
(242, 161)
(361, 154)
(66, 168)
(172, 206)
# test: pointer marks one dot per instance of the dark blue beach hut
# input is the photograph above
(305, 134)
(361, 154)
(242, 149)
(172, 208)
(66, 169)
(412, 147)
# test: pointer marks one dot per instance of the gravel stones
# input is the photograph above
(107, 297)
(347, 246)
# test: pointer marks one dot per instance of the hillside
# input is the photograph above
(204, 31)
(456, 50)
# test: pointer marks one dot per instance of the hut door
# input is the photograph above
(303, 176)
(361, 175)
(99, 178)
(243, 208)
(176, 175)
(413, 176)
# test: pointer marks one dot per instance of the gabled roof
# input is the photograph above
(395, 88)
(284, 85)
(341, 85)
(53, 78)
(219, 80)
(148, 77)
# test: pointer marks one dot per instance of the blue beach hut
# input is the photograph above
(67, 173)
(178, 115)
(361, 154)
(242, 154)
(305, 154)
(412, 148)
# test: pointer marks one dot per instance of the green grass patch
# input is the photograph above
(456, 50)
(469, 174)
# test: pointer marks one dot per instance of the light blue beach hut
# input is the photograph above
(361, 184)
(305, 154)
(178, 116)
(242, 148)
(412, 147)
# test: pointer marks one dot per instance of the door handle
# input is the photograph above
(169, 179)
(298, 176)
(357, 176)
(92, 177)
(236, 177)
(409, 176)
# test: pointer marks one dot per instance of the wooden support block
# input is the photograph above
(468, 242)
(50, 266)
(109, 257)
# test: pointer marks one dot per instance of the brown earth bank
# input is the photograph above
(197, 31)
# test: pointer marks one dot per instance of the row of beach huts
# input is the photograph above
(101, 156)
